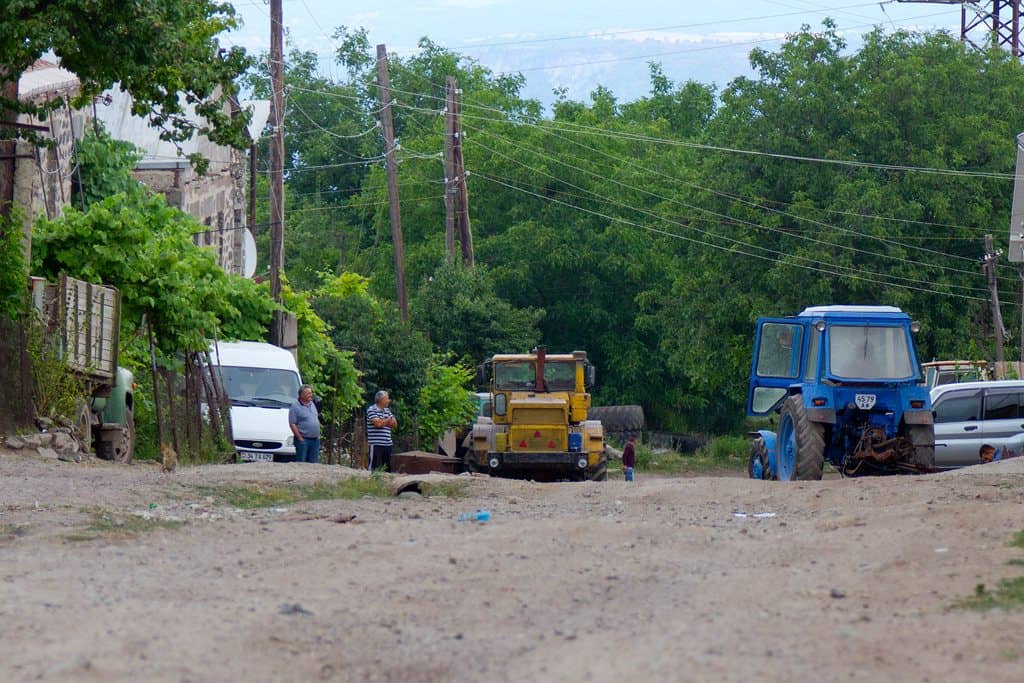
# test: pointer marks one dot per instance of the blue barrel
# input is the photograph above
(575, 442)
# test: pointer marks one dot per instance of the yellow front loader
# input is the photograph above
(538, 427)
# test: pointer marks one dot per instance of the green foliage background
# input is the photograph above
(649, 233)
(635, 231)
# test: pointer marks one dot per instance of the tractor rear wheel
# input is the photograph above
(757, 468)
(801, 449)
(923, 438)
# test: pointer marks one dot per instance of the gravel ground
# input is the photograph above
(696, 579)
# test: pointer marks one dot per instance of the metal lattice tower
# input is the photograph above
(985, 23)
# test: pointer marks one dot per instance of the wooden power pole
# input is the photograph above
(450, 184)
(388, 126)
(456, 172)
(990, 263)
(276, 157)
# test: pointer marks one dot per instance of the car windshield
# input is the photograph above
(515, 375)
(267, 387)
(560, 375)
(863, 352)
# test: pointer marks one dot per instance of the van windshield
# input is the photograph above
(863, 352)
(265, 387)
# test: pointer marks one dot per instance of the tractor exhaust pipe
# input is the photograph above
(538, 384)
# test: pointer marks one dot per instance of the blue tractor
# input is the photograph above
(847, 387)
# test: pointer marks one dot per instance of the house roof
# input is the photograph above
(45, 80)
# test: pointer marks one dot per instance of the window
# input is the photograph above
(560, 376)
(267, 387)
(1002, 406)
(863, 352)
(779, 352)
(515, 375)
(958, 407)
(812, 355)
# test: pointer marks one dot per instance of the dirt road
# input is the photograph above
(664, 580)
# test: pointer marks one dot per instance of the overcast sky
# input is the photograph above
(579, 44)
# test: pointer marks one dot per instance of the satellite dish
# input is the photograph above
(248, 254)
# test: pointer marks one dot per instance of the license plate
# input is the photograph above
(865, 401)
(253, 456)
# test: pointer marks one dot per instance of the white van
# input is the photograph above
(262, 381)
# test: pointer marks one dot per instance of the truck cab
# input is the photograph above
(848, 388)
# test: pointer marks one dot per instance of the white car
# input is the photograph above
(262, 381)
(970, 414)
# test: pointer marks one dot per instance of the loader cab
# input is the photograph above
(832, 346)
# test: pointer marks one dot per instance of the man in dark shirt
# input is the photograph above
(629, 458)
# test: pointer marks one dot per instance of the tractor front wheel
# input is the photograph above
(757, 468)
(801, 448)
(923, 438)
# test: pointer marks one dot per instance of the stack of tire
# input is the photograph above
(619, 422)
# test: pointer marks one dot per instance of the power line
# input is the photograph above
(543, 125)
(744, 201)
(604, 34)
(668, 53)
(773, 259)
(725, 217)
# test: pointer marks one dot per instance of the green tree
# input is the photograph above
(460, 313)
(444, 401)
(165, 53)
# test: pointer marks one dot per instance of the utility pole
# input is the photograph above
(276, 158)
(450, 186)
(388, 126)
(462, 198)
(989, 267)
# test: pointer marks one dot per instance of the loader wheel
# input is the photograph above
(757, 468)
(923, 438)
(801, 449)
(599, 473)
(618, 418)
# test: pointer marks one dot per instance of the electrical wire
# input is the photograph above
(732, 220)
(733, 250)
(605, 34)
(746, 202)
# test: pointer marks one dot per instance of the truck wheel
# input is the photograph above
(757, 468)
(83, 425)
(923, 438)
(124, 447)
(801, 453)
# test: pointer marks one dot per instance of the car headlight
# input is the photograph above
(290, 441)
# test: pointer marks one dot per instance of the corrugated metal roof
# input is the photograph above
(45, 77)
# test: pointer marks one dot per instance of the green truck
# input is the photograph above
(83, 319)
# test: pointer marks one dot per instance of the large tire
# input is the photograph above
(757, 467)
(124, 448)
(801, 448)
(83, 425)
(618, 418)
(599, 472)
(923, 438)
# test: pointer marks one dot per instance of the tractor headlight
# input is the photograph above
(581, 463)
(494, 462)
